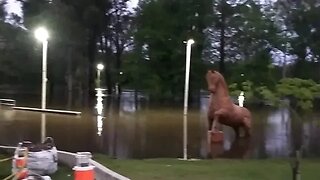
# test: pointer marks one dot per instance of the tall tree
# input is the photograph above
(302, 24)
(91, 14)
(75, 26)
(159, 41)
(2, 10)
(117, 37)
(239, 32)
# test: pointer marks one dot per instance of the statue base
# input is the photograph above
(215, 136)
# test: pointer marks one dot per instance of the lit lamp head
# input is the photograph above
(41, 34)
(190, 41)
(100, 67)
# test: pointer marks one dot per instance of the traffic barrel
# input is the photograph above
(83, 169)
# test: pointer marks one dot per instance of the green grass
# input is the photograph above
(4, 167)
(172, 169)
(63, 173)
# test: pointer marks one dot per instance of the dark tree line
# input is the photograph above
(143, 48)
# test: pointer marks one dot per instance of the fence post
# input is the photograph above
(296, 175)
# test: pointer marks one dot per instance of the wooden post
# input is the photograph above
(296, 166)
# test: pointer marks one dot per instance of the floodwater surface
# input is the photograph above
(135, 129)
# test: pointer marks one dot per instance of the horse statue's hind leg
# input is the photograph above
(236, 131)
(247, 126)
(210, 123)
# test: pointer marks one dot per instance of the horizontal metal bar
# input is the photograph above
(10, 100)
(7, 104)
(48, 110)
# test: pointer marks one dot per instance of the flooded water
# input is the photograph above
(135, 129)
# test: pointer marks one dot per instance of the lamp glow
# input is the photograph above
(41, 34)
(100, 67)
(190, 41)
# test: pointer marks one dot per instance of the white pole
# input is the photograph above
(44, 73)
(43, 127)
(186, 94)
(98, 77)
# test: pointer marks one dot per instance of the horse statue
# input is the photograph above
(222, 109)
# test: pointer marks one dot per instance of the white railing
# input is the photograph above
(7, 102)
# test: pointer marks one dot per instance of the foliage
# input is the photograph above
(117, 37)
(300, 92)
(159, 43)
(17, 58)
(247, 87)
(239, 32)
(2, 10)
(146, 44)
(269, 96)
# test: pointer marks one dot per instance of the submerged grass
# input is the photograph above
(224, 169)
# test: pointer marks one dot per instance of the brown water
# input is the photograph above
(135, 129)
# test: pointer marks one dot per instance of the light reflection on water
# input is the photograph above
(99, 107)
(131, 128)
(278, 131)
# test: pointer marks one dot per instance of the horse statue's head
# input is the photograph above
(213, 80)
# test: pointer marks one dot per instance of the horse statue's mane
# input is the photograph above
(222, 81)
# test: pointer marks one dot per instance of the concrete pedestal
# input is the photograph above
(215, 136)
(216, 150)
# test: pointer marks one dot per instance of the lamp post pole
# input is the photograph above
(44, 74)
(186, 95)
(42, 35)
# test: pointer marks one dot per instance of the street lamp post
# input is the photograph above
(100, 67)
(42, 35)
(186, 94)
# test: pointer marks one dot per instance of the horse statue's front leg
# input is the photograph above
(213, 119)
(214, 134)
(213, 124)
(216, 125)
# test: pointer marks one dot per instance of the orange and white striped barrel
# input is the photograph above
(83, 170)
(84, 173)
(21, 162)
(22, 174)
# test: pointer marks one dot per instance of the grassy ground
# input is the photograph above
(172, 169)
(220, 169)
(62, 174)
